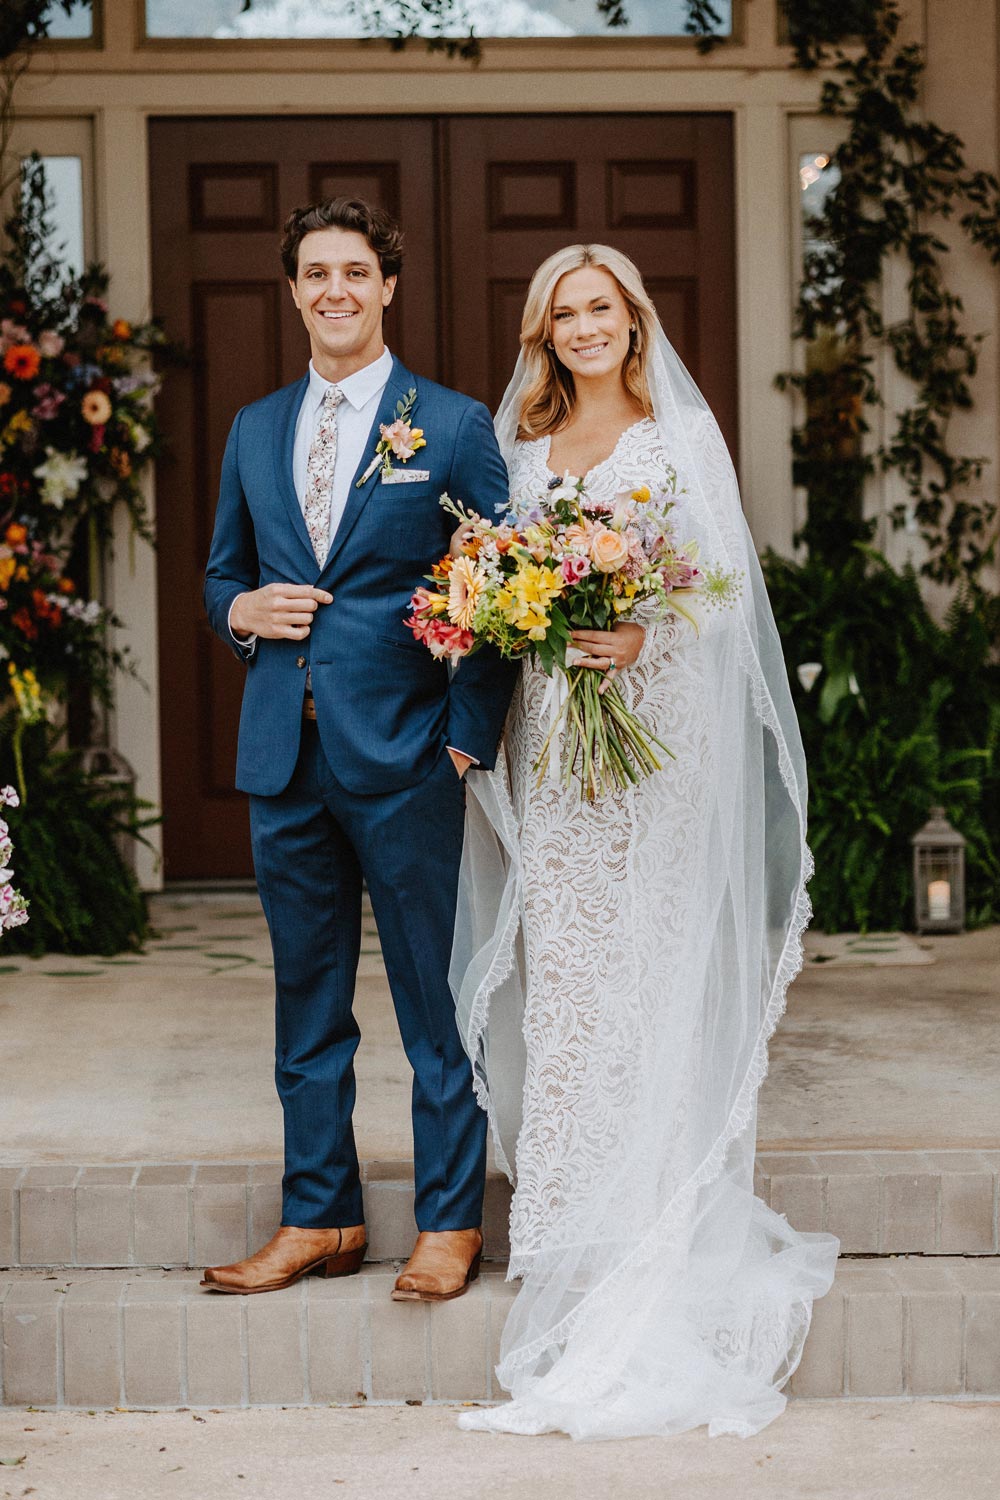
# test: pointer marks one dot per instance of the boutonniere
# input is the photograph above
(399, 439)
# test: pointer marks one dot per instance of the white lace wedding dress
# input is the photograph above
(658, 1293)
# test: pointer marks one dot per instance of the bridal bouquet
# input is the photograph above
(558, 562)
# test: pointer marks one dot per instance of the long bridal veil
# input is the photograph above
(664, 1294)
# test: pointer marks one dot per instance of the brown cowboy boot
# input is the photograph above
(289, 1255)
(443, 1265)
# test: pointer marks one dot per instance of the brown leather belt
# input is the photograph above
(309, 706)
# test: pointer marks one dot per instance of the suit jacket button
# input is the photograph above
(300, 661)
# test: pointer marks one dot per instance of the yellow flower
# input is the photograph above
(7, 566)
(624, 603)
(465, 589)
(643, 494)
(525, 600)
(27, 693)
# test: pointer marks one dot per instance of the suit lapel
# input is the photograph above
(399, 382)
(284, 445)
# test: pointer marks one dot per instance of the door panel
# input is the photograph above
(659, 188)
(482, 201)
(221, 191)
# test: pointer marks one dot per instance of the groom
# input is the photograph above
(354, 741)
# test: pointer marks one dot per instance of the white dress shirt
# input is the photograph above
(355, 415)
(362, 393)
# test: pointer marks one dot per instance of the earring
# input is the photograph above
(549, 344)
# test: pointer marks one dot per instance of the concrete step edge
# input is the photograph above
(890, 1327)
(194, 1214)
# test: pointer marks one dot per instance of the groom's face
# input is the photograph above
(341, 294)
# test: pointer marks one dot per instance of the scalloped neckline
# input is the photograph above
(594, 468)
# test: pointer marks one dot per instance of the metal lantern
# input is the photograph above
(938, 876)
(110, 770)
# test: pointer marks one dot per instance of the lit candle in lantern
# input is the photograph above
(939, 900)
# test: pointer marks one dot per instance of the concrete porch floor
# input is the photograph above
(167, 1056)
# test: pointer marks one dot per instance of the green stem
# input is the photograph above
(19, 761)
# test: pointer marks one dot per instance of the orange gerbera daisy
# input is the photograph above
(22, 361)
(465, 590)
(16, 534)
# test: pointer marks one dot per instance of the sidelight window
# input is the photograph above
(348, 20)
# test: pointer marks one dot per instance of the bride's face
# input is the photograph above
(589, 323)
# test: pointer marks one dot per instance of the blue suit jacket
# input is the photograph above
(385, 708)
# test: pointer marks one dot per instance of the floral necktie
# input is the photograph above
(319, 473)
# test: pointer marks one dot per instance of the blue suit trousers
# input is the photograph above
(313, 844)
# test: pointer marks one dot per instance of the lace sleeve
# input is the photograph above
(662, 632)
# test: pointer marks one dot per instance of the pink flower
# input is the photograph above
(678, 573)
(403, 439)
(9, 797)
(13, 333)
(452, 641)
(575, 567)
(51, 343)
(48, 402)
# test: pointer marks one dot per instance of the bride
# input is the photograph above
(619, 966)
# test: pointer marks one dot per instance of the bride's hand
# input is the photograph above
(604, 649)
(609, 650)
(458, 538)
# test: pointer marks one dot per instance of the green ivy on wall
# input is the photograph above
(899, 174)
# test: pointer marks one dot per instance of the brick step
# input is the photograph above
(893, 1327)
(190, 1215)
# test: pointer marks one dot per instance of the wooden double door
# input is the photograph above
(482, 200)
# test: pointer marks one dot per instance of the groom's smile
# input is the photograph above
(341, 294)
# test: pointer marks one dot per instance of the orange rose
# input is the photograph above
(16, 534)
(121, 328)
(608, 551)
(22, 361)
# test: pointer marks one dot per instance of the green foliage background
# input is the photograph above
(84, 898)
(905, 714)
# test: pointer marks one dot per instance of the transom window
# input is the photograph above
(354, 19)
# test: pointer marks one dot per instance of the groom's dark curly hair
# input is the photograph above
(380, 229)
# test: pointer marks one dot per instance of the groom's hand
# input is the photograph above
(278, 611)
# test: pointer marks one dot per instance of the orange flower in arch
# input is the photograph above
(16, 535)
(96, 408)
(121, 328)
(22, 361)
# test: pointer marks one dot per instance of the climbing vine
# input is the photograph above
(895, 174)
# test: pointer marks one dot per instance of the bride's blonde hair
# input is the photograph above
(550, 394)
